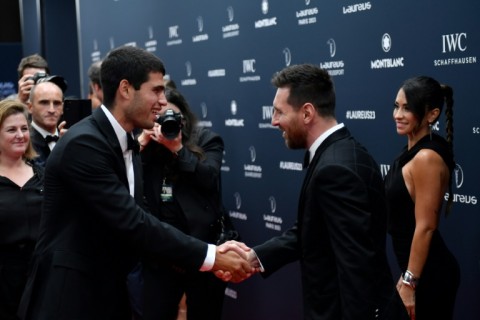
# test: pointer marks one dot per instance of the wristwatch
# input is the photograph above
(409, 279)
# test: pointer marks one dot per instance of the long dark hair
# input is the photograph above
(189, 129)
(424, 94)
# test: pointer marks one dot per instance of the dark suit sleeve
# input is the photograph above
(278, 251)
(96, 174)
(204, 172)
(343, 198)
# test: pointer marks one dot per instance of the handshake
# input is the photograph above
(235, 262)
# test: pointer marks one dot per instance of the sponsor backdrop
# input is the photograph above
(222, 54)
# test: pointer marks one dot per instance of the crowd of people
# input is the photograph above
(119, 216)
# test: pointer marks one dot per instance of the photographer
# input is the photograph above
(181, 164)
(29, 69)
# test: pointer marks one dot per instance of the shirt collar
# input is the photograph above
(42, 131)
(119, 131)
(313, 148)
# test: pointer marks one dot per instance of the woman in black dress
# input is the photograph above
(415, 188)
(21, 189)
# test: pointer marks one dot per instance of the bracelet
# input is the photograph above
(410, 280)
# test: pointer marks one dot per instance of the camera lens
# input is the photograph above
(171, 123)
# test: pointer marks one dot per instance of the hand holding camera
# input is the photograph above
(171, 124)
(166, 131)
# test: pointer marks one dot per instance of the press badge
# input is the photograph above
(167, 192)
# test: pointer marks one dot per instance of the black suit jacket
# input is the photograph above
(92, 230)
(40, 146)
(339, 236)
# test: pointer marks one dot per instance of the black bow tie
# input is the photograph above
(306, 159)
(51, 138)
(132, 144)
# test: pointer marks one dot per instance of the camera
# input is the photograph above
(36, 76)
(171, 123)
(45, 77)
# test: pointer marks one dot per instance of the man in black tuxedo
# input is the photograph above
(340, 232)
(93, 226)
(46, 107)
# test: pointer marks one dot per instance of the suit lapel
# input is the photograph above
(337, 135)
(106, 130)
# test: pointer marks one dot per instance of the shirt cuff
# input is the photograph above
(210, 258)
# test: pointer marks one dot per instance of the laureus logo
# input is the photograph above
(332, 46)
(238, 200)
(458, 174)
(273, 204)
(253, 153)
(230, 13)
(386, 42)
(200, 24)
(288, 56)
(188, 67)
(203, 108)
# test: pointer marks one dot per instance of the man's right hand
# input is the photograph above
(231, 262)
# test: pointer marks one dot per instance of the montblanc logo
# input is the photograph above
(233, 107)
(267, 22)
(386, 42)
(386, 63)
(264, 6)
(333, 67)
(307, 2)
(234, 122)
(454, 44)
(288, 56)
(189, 81)
(224, 167)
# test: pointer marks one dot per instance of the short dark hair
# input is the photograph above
(94, 72)
(32, 61)
(127, 63)
(308, 83)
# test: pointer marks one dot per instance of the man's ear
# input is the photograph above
(124, 88)
(308, 111)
